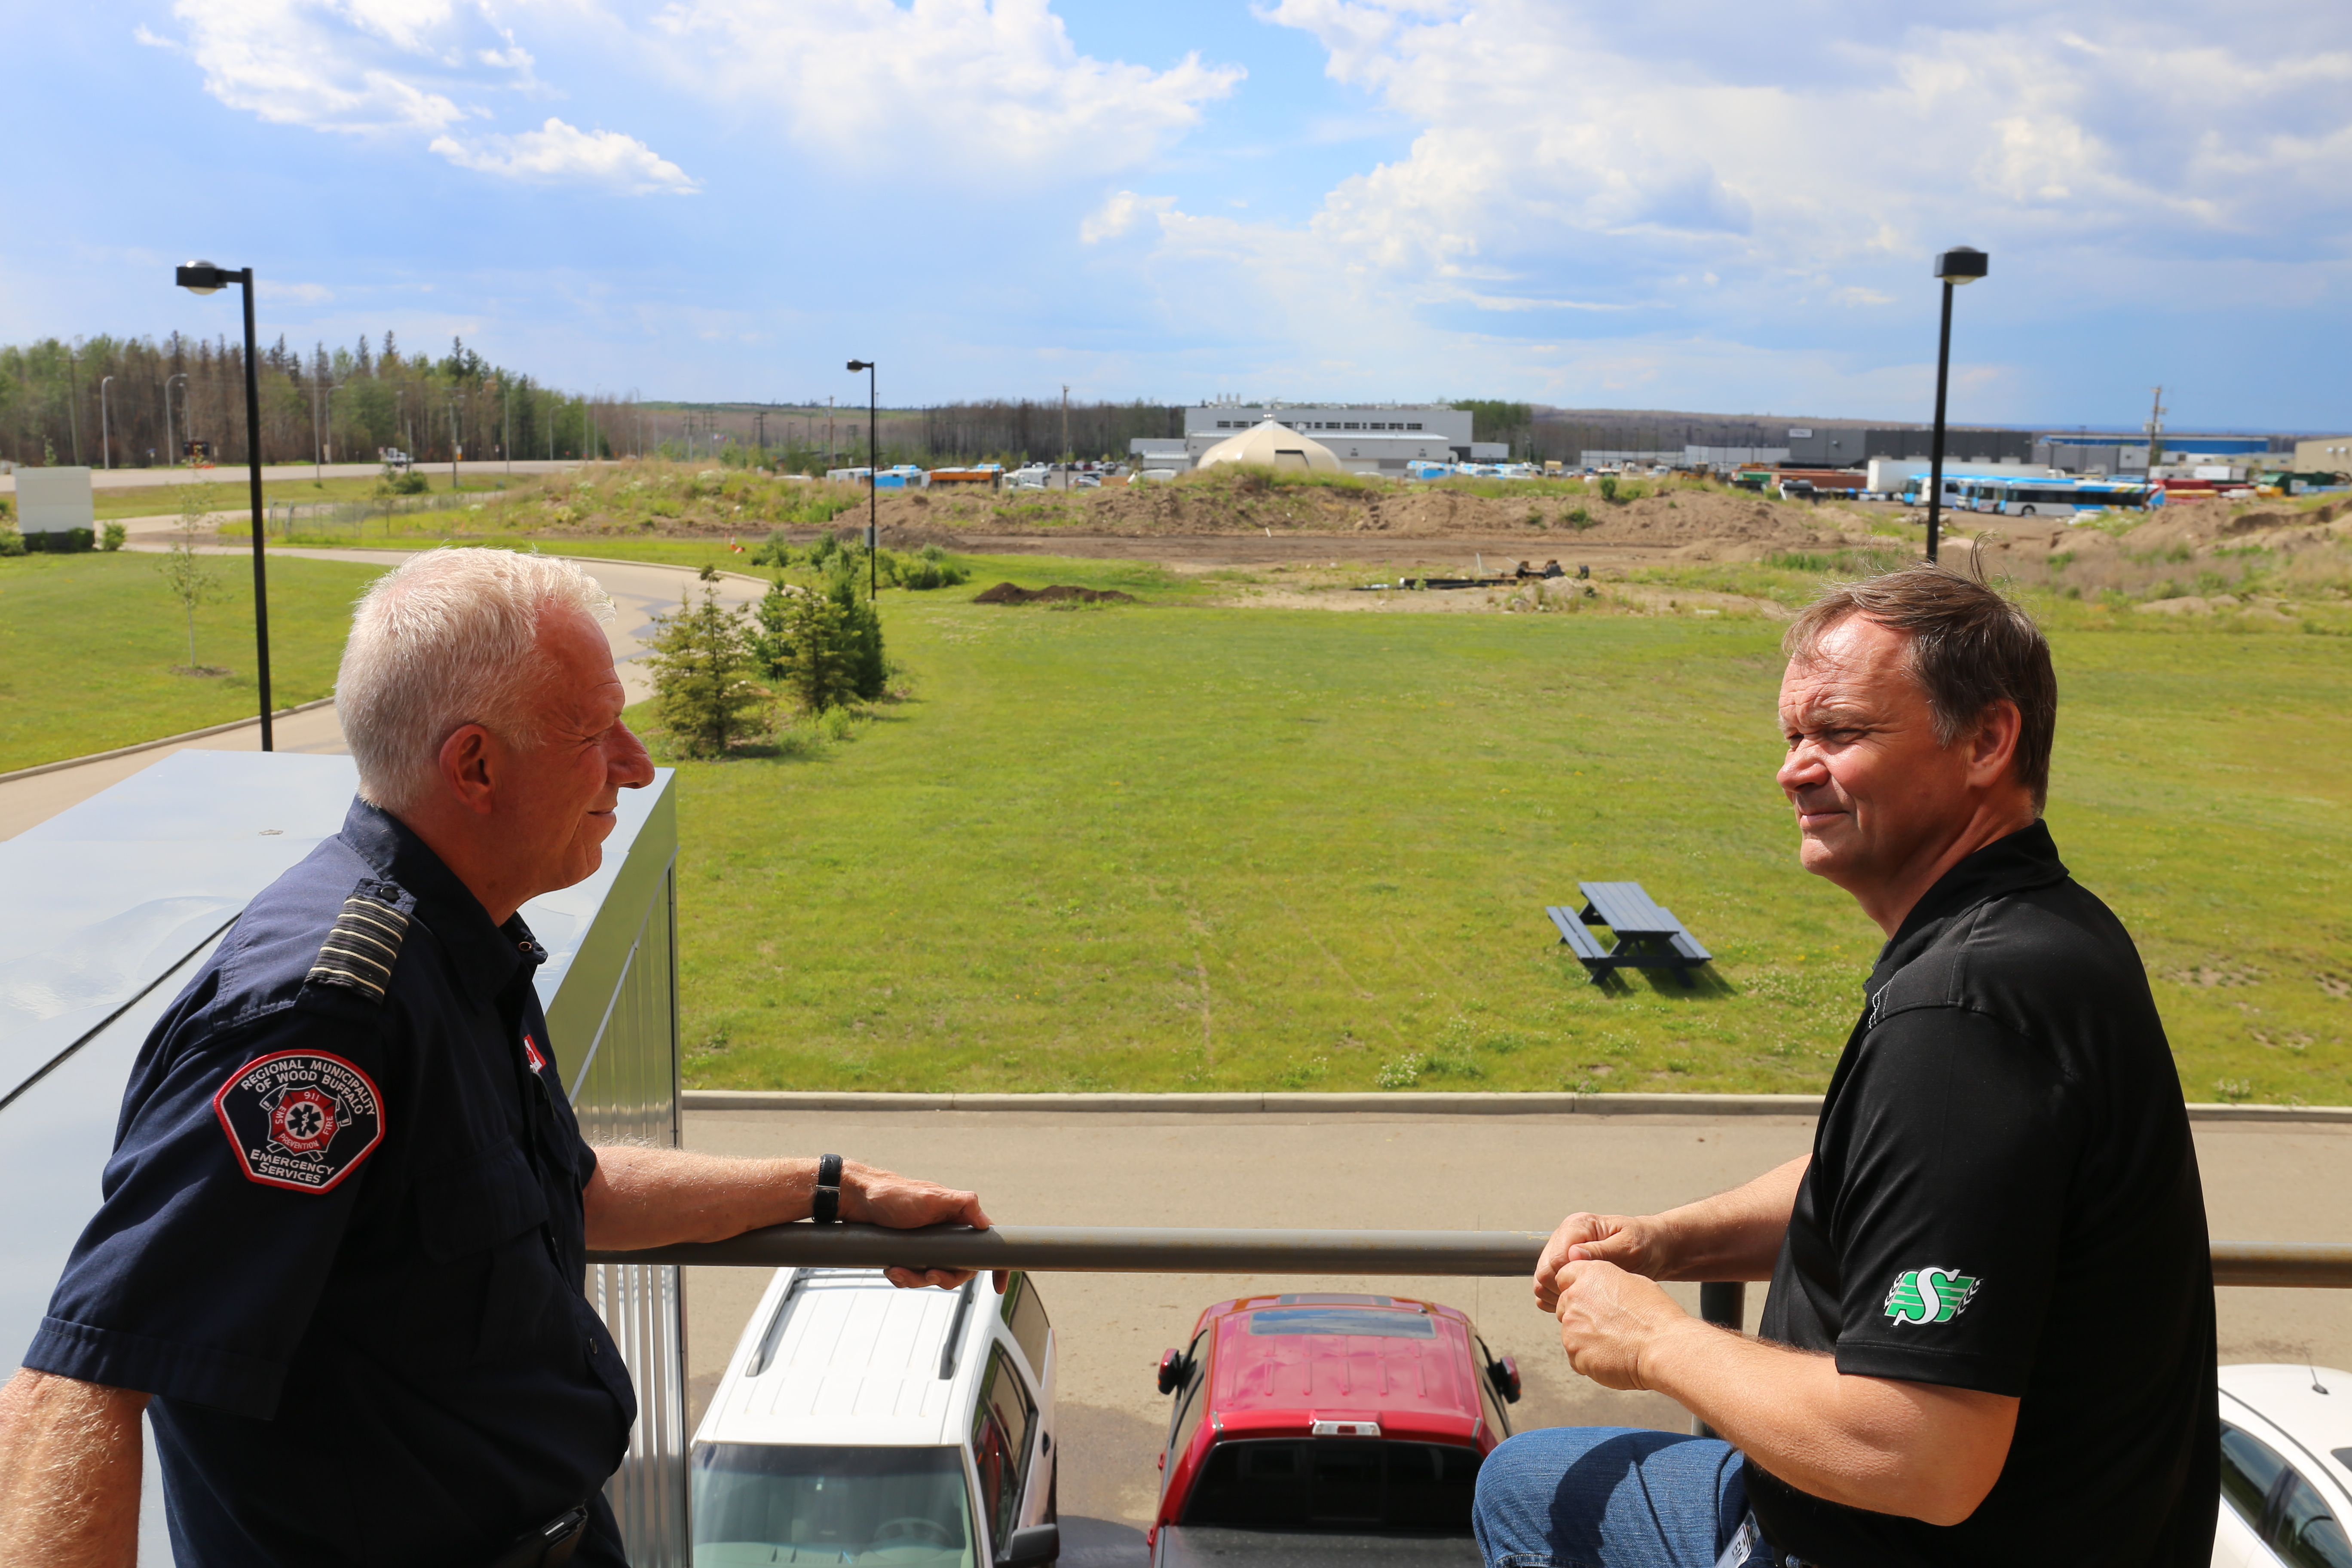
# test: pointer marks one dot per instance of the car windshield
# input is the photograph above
(770, 1503)
(1336, 1483)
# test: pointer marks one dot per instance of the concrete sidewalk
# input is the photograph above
(1417, 1171)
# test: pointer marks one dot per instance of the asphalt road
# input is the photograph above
(1407, 1171)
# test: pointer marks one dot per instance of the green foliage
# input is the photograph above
(112, 535)
(1579, 518)
(701, 658)
(62, 541)
(11, 541)
(861, 622)
(1609, 487)
(410, 483)
(773, 551)
(806, 647)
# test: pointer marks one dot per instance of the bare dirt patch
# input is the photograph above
(1059, 593)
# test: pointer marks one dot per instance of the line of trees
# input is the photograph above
(139, 403)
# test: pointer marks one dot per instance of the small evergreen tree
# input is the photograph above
(861, 621)
(804, 647)
(701, 660)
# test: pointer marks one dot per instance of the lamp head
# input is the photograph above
(861, 364)
(1961, 264)
(202, 278)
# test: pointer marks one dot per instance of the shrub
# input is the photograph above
(701, 660)
(821, 549)
(407, 484)
(773, 551)
(61, 540)
(803, 645)
(1579, 518)
(1608, 487)
(11, 541)
(111, 536)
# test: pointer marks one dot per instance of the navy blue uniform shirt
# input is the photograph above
(342, 1240)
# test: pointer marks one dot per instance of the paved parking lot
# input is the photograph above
(1405, 1172)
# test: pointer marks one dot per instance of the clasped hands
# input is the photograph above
(1598, 1276)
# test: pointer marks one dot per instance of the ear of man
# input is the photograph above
(469, 765)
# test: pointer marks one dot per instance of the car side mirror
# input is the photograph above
(1032, 1547)
(1172, 1369)
(1505, 1373)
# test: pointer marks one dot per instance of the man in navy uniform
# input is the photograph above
(339, 1255)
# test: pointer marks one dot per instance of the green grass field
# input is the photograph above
(88, 644)
(225, 490)
(1179, 847)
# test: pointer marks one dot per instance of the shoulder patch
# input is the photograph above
(360, 950)
(299, 1120)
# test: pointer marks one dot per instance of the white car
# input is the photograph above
(2286, 1467)
(858, 1422)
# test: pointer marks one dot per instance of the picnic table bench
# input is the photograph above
(1647, 936)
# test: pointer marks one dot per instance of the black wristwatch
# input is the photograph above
(826, 1210)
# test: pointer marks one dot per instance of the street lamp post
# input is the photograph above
(105, 430)
(203, 278)
(457, 430)
(1961, 264)
(171, 448)
(339, 386)
(873, 486)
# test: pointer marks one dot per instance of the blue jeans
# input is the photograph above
(1609, 1497)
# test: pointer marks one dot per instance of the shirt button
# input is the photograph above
(591, 1346)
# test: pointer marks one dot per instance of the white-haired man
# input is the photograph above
(340, 1255)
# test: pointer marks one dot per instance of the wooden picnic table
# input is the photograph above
(1648, 936)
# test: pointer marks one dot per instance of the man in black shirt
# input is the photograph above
(1989, 1336)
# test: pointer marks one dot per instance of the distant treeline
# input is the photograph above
(135, 403)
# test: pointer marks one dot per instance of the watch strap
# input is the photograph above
(825, 1208)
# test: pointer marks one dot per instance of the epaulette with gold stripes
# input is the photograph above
(361, 950)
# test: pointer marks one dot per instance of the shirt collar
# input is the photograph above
(485, 956)
(2025, 859)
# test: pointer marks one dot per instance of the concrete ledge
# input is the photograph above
(1411, 1103)
(180, 739)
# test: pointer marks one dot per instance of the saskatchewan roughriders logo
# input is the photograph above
(1930, 1296)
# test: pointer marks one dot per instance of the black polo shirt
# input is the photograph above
(2003, 1197)
(342, 1240)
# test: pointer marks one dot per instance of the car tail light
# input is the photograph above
(1346, 1429)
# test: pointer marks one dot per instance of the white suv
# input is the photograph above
(861, 1424)
(2286, 1467)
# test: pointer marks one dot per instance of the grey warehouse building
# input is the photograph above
(1367, 437)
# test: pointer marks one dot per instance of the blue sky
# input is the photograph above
(1706, 205)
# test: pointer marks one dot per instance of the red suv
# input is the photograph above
(1313, 1429)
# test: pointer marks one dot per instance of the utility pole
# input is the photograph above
(105, 436)
(1065, 434)
(73, 401)
(2155, 433)
(828, 429)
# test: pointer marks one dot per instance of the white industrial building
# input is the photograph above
(1363, 438)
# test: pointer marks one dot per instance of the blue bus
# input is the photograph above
(2027, 495)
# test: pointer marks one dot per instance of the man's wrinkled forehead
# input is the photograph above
(1848, 668)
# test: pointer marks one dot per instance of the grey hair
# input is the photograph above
(448, 638)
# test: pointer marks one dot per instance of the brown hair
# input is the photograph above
(1970, 647)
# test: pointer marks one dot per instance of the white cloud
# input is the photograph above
(558, 153)
(1117, 216)
(994, 90)
(432, 69)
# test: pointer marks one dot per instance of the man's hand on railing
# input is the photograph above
(1625, 1240)
(905, 1203)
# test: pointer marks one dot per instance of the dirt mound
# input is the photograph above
(1059, 593)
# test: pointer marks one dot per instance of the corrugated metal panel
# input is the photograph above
(612, 1013)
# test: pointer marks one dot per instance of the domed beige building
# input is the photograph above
(1271, 446)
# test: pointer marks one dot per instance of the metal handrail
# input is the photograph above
(1144, 1249)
